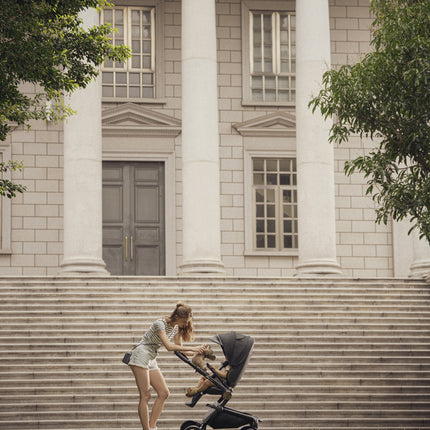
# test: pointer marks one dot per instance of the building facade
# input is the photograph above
(199, 155)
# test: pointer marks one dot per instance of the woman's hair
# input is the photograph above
(183, 311)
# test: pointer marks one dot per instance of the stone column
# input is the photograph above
(420, 267)
(315, 165)
(200, 140)
(83, 179)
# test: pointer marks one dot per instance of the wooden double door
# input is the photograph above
(134, 218)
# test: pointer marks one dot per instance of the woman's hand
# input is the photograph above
(199, 349)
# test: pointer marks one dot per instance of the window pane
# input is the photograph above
(260, 226)
(286, 196)
(135, 17)
(288, 226)
(121, 92)
(271, 226)
(134, 92)
(257, 82)
(270, 82)
(259, 195)
(147, 78)
(260, 241)
(121, 78)
(272, 165)
(270, 95)
(272, 179)
(107, 91)
(284, 164)
(148, 92)
(288, 242)
(135, 62)
(270, 196)
(258, 164)
(135, 46)
(284, 179)
(271, 211)
(260, 211)
(107, 77)
(257, 95)
(271, 241)
(146, 62)
(146, 46)
(258, 179)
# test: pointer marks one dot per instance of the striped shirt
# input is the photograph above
(151, 337)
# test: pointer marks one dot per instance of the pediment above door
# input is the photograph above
(130, 119)
(278, 124)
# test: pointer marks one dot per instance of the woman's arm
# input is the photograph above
(177, 346)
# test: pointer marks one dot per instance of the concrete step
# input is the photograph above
(332, 353)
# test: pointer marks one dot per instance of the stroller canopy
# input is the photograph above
(236, 347)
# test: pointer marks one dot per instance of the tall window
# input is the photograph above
(135, 78)
(275, 203)
(272, 56)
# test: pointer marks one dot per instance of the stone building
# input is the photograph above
(199, 154)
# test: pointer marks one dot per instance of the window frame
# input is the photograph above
(247, 7)
(250, 208)
(157, 47)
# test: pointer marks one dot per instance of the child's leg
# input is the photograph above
(202, 385)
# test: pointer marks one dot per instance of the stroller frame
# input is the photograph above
(221, 416)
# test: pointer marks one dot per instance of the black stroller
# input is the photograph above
(237, 349)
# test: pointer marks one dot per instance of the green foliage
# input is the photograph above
(42, 42)
(8, 188)
(387, 96)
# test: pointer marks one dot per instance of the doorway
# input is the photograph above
(134, 218)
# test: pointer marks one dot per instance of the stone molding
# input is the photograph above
(133, 120)
(278, 124)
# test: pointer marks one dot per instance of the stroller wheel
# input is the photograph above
(249, 428)
(191, 425)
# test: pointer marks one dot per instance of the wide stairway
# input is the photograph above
(329, 354)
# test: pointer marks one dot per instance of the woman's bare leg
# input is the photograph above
(143, 384)
(157, 381)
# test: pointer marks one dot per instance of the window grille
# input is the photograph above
(135, 78)
(275, 203)
(273, 56)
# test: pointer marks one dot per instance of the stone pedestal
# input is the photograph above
(83, 179)
(200, 140)
(420, 267)
(315, 165)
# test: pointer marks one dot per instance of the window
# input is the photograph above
(134, 79)
(275, 204)
(272, 56)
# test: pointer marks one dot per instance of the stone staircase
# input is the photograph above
(329, 353)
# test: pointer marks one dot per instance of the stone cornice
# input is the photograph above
(277, 124)
(130, 119)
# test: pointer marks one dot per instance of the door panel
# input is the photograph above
(133, 218)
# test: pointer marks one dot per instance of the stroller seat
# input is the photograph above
(237, 349)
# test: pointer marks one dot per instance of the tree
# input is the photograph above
(42, 42)
(387, 96)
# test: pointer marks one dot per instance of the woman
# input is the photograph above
(170, 332)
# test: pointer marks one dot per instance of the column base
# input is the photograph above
(318, 268)
(83, 266)
(202, 267)
(420, 269)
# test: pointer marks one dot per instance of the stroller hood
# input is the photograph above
(237, 347)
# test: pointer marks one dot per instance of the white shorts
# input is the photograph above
(142, 356)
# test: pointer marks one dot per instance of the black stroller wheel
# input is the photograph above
(191, 425)
(249, 428)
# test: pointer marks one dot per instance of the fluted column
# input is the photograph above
(83, 178)
(200, 140)
(315, 165)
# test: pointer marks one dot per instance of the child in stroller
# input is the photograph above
(237, 349)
